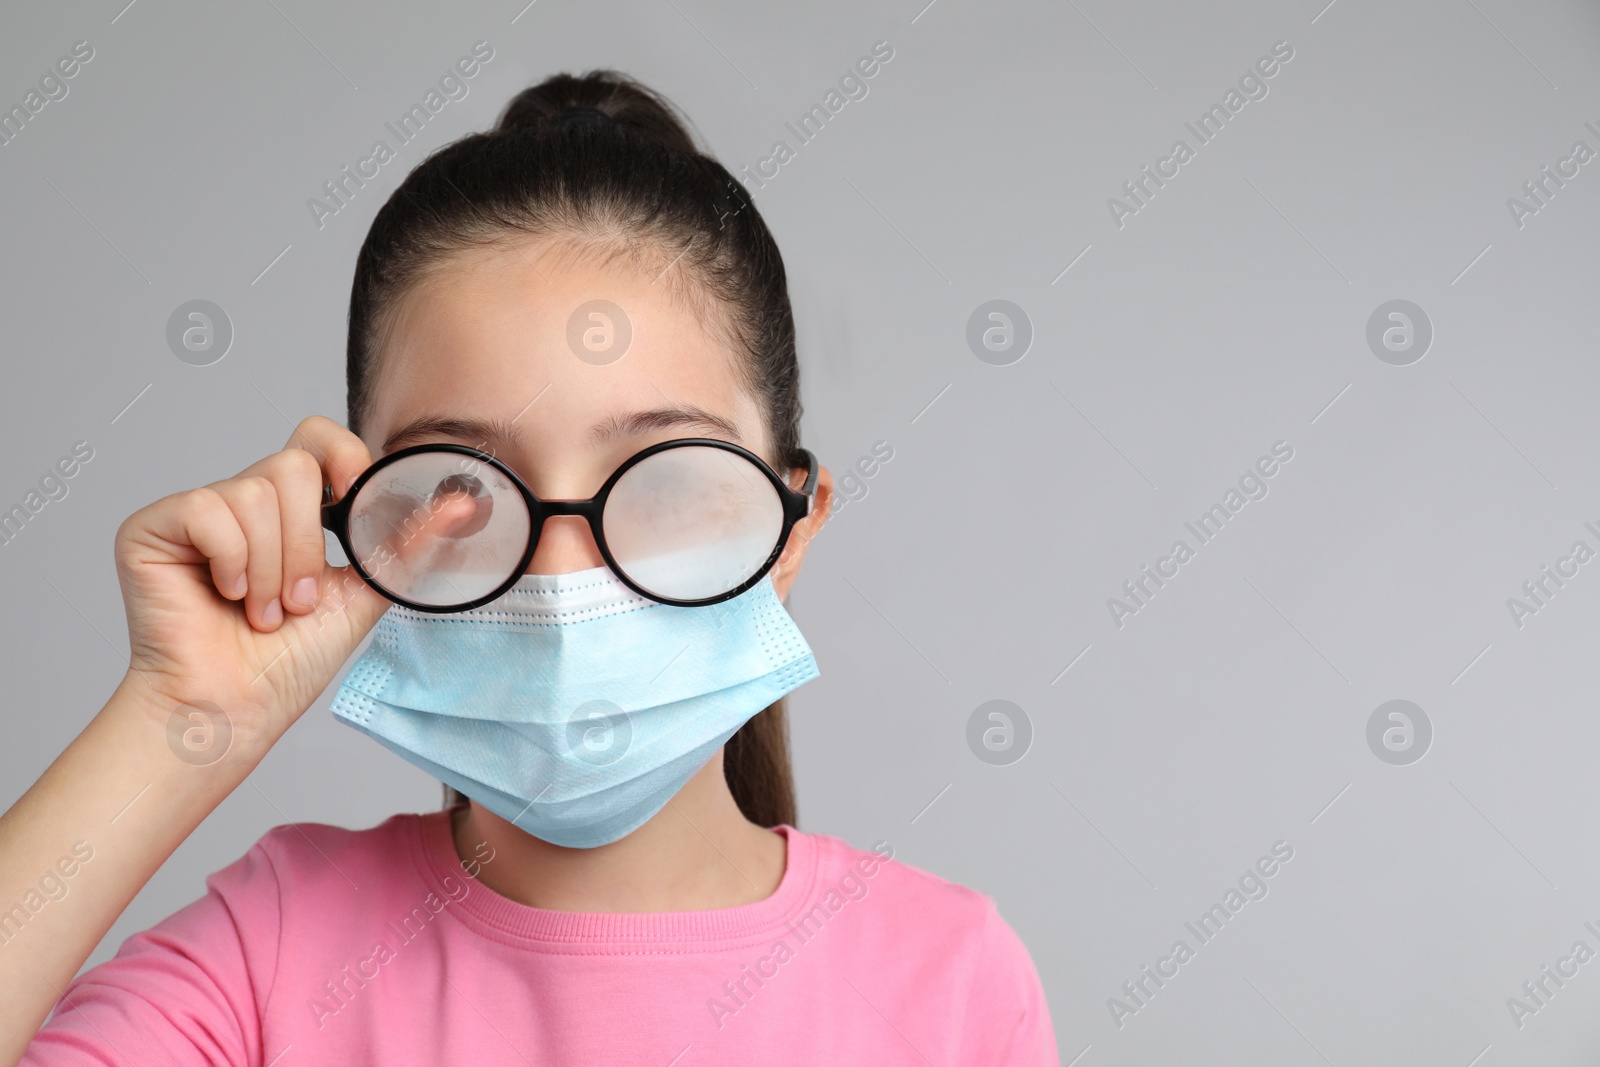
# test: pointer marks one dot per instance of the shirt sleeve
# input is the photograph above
(184, 991)
(1007, 1020)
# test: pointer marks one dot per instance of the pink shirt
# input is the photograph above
(330, 946)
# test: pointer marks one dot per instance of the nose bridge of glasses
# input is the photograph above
(570, 544)
(587, 509)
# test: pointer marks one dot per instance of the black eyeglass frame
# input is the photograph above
(796, 506)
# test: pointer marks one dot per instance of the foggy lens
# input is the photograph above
(692, 522)
(439, 528)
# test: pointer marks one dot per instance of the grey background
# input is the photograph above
(1230, 313)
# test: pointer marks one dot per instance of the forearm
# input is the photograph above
(79, 845)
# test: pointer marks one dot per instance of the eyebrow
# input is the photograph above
(505, 435)
(638, 422)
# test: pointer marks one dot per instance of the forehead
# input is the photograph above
(557, 340)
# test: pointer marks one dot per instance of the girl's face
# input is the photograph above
(491, 352)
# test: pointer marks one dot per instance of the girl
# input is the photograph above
(572, 351)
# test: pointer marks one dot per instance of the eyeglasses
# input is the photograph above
(444, 527)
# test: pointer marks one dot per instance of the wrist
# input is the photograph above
(189, 730)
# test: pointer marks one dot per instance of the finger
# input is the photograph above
(415, 533)
(446, 515)
(254, 503)
(347, 611)
(340, 454)
(296, 476)
(201, 520)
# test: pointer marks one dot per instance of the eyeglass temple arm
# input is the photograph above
(330, 510)
(809, 490)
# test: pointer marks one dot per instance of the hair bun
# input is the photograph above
(567, 99)
(583, 114)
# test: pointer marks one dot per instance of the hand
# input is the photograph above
(228, 593)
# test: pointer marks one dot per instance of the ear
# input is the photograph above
(787, 569)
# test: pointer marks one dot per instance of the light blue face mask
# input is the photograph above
(571, 706)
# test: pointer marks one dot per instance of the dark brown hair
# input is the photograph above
(623, 180)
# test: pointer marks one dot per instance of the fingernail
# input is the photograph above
(272, 615)
(304, 592)
(242, 585)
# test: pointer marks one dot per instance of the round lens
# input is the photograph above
(692, 522)
(439, 528)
